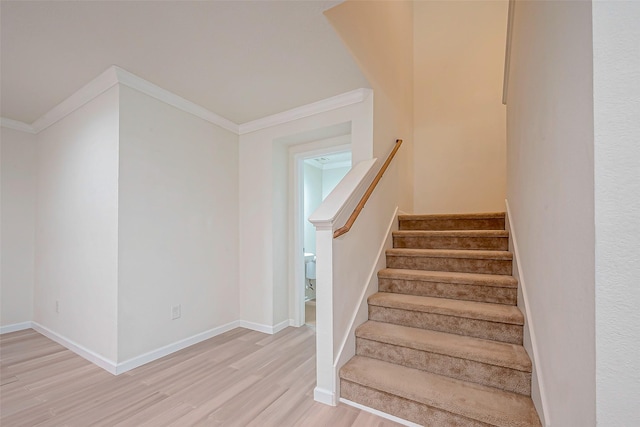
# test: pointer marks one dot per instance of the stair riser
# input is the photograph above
(444, 242)
(478, 293)
(462, 265)
(403, 408)
(452, 224)
(454, 367)
(504, 332)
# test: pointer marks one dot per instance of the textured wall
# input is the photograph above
(616, 92)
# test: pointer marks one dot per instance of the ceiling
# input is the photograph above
(330, 161)
(242, 60)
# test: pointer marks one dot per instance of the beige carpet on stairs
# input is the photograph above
(443, 344)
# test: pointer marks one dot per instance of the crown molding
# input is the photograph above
(131, 80)
(16, 125)
(88, 92)
(116, 75)
(338, 101)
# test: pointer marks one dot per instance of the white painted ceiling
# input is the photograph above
(329, 161)
(240, 59)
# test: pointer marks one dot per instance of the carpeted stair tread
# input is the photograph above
(482, 215)
(494, 240)
(449, 307)
(482, 221)
(443, 343)
(451, 233)
(491, 288)
(464, 347)
(473, 401)
(493, 280)
(451, 253)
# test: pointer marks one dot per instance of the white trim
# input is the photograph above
(529, 324)
(127, 365)
(110, 77)
(131, 80)
(114, 75)
(379, 413)
(16, 125)
(14, 327)
(297, 155)
(374, 270)
(267, 329)
(106, 364)
(322, 106)
(324, 396)
(150, 356)
(282, 325)
(330, 209)
(91, 90)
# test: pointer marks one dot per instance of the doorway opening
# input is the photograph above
(320, 175)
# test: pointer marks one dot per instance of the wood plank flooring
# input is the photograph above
(240, 378)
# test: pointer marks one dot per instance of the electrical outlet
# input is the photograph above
(175, 312)
(57, 306)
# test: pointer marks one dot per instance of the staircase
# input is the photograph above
(443, 343)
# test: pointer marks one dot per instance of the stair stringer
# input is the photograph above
(538, 394)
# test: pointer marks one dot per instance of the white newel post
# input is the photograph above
(333, 210)
(325, 387)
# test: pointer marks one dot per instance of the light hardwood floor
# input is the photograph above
(240, 378)
(310, 313)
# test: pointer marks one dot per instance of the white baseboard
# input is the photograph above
(379, 413)
(543, 409)
(267, 329)
(150, 356)
(127, 365)
(280, 326)
(119, 368)
(106, 364)
(324, 396)
(15, 327)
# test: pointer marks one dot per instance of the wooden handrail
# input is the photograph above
(354, 215)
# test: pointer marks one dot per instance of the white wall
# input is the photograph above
(551, 195)
(265, 239)
(357, 258)
(313, 195)
(77, 226)
(331, 178)
(616, 93)
(18, 182)
(281, 225)
(459, 119)
(382, 46)
(178, 217)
